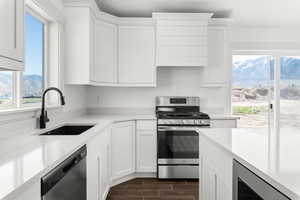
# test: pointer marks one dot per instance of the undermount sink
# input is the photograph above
(69, 130)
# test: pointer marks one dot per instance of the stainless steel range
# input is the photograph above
(177, 140)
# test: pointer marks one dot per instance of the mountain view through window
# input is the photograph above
(253, 90)
(6, 88)
(34, 60)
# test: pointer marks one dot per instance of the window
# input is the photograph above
(289, 91)
(6, 88)
(265, 86)
(252, 89)
(33, 80)
(25, 88)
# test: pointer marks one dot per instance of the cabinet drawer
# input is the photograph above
(146, 125)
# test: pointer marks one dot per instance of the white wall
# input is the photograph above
(171, 82)
(58, 4)
(264, 38)
(26, 121)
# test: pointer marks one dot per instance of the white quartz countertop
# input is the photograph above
(25, 158)
(222, 117)
(274, 157)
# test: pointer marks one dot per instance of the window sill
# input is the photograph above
(26, 109)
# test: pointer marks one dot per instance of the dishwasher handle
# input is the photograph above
(55, 175)
(71, 164)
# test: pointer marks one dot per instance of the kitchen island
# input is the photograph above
(273, 157)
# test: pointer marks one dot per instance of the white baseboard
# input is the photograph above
(133, 176)
(106, 193)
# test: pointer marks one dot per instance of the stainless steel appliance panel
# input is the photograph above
(247, 185)
(178, 144)
(177, 101)
(178, 161)
(68, 180)
(178, 171)
(194, 122)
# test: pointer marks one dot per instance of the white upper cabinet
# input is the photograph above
(105, 52)
(215, 75)
(181, 39)
(11, 35)
(91, 47)
(137, 55)
(79, 36)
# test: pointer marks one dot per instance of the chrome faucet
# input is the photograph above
(44, 116)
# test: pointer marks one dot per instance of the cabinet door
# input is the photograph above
(208, 189)
(146, 150)
(105, 164)
(215, 172)
(218, 60)
(11, 33)
(137, 55)
(105, 53)
(213, 187)
(93, 169)
(123, 149)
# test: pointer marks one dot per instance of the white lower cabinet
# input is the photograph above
(123, 149)
(213, 185)
(146, 146)
(105, 164)
(215, 172)
(98, 166)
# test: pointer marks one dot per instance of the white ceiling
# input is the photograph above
(245, 12)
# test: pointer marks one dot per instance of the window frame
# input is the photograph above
(14, 89)
(45, 60)
(53, 60)
(276, 54)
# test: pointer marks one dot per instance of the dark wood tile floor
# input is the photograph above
(154, 189)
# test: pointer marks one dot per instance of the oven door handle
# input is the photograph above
(172, 128)
(163, 128)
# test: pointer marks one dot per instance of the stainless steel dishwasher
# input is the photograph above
(249, 186)
(67, 181)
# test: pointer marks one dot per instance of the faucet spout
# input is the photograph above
(44, 116)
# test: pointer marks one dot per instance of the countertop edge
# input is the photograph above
(272, 181)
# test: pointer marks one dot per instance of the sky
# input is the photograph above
(34, 46)
(245, 57)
